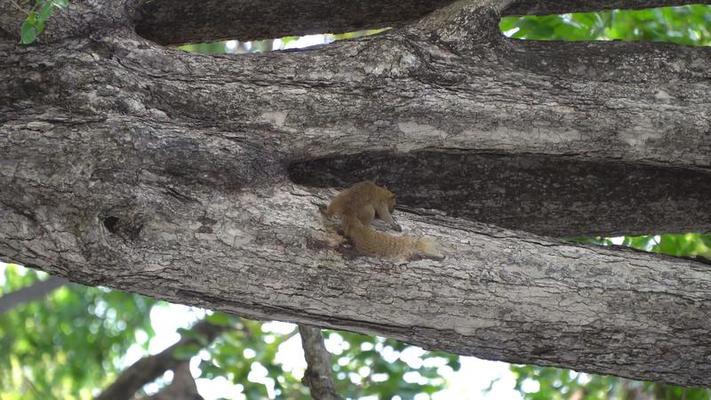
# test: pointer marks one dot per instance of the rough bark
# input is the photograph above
(319, 375)
(196, 179)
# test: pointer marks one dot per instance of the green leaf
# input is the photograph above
(37, 17)
(219, 319)
(706, 240)
(186, 352)
(32, 18)
(45, 11)
(210, 370)
(46, 338)
(28, 32)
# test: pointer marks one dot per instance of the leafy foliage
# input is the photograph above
(689, 25)
(68, 343)
(247, 356)
(678, 245)
(363, 365)
(536, 383)
(385, 368)
(37, 16)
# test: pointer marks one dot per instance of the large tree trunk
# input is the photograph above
(197, 179)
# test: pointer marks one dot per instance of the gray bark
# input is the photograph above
(197, 179)
(319, 375)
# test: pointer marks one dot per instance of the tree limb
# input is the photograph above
(499, 294)
(266, 19)
(521, 137)
(182, 387)
(318, 376)
(149, 368)
(32, 292)
(187, 177)
(260, 19)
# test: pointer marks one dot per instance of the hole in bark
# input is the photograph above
(128, 228)
(558, 196)
(686, 25)
(111, 224)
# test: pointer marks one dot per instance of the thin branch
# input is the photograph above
(33, 292)
(210, 20)
(318, 376)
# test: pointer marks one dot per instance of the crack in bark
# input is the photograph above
(488, 188)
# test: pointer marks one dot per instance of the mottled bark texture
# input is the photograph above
(197, 179)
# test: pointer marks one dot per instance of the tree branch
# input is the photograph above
(177, 176)
(265, 19)
(318, 376)
(544, 7)
(32, 292)
(465, 25)
(499, 294)
(181, 388)
(149, 368)
(213, 20)
(483, 119)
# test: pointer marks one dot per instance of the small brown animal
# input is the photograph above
(358, 205)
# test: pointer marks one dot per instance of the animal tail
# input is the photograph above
(372, 242)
